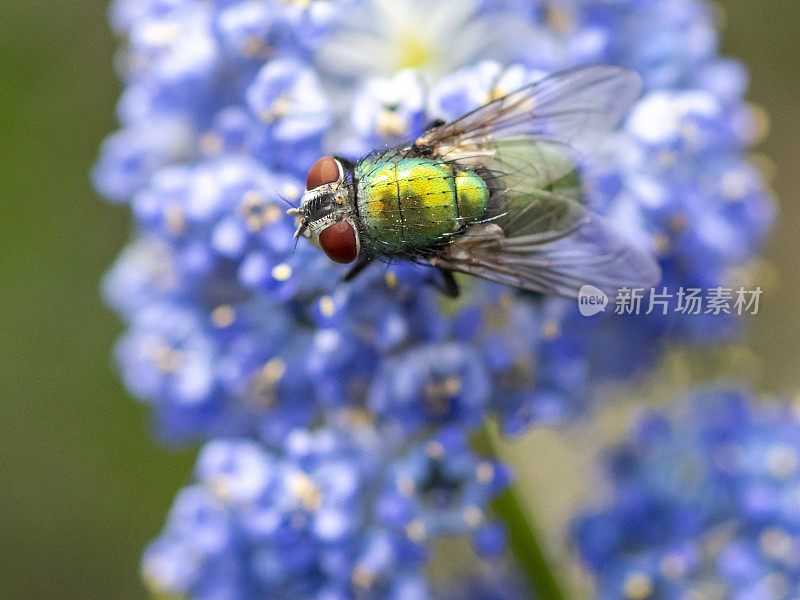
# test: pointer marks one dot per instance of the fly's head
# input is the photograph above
(326, 212)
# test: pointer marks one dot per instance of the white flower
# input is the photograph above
(435, 38)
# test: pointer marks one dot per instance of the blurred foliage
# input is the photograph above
(764, 35)
(83, 486)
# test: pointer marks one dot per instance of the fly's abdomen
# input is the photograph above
(415, 202)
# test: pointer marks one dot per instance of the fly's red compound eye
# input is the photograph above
(325, 170)
(339, 242)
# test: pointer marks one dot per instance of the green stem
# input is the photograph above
(523, 535)
(523, 540)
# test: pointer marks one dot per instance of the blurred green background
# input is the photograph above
(82, 486)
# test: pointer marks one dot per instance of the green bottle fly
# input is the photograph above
(496, 194)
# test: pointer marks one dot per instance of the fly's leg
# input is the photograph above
(435, 123)
(361, 263)
(445, 284)
(420, 149)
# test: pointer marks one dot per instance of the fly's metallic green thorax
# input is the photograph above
(413, 203)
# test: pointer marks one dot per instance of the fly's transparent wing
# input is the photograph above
(568, 114)
(549, 243)
(536, 235)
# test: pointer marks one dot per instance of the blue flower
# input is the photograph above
(705, 498)
(431, 384)
(215, 373)
(473, 86)
(387, 111)
(132, 156)
(334, 513)
(287, 96)
(442, 489)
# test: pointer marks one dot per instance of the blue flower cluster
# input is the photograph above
(237, 332)
(704, 504)
(226, 104)
(337, 513)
